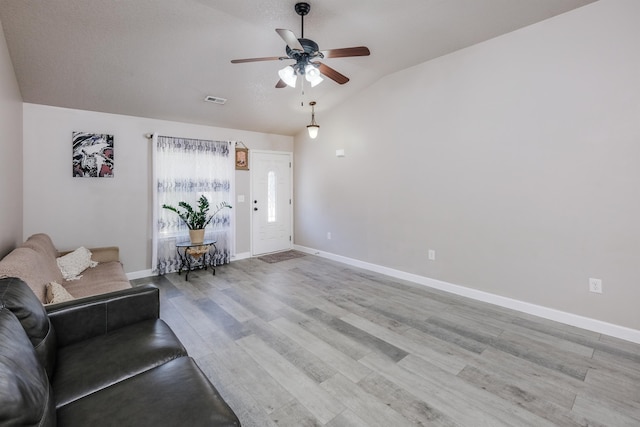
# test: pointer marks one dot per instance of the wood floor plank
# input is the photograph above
(231, 360)
(255, 300)
(519, 393)
(447, 362)
(347, 419)
(236, 309)
(186, 289)
(199, 321)
(581, 349)
(560, 330)
(534, 352)
(339, 341)
(623, 386)
(357, 334)
(294, 414)
(366, 406)
(413, 409)
(619, 362)
(377, 295)
(606, 411)
(445, 400)
(366, 313)
(519, 374)
(220, 317)
(504, 411)
(300, 357)
(320, 403)
(428, 328)
(329, 354)
(547, 377)
(470, 321)
(194, 343)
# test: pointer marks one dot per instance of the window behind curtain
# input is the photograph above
(184, 170)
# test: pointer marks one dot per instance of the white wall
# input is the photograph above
(110, 211)
(10, 153)
(516, 160)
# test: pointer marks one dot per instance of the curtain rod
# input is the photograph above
(150, 135)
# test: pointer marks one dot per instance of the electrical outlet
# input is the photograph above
(432, 255)
(595, 285)
(328, 235)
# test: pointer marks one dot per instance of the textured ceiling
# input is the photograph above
(160, 58)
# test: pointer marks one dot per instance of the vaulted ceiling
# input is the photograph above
(160, 58)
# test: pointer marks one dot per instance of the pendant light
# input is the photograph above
(313, 127)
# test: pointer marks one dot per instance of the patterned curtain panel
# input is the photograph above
(184, 170)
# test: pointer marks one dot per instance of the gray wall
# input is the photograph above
(516, 160)
(10, 153)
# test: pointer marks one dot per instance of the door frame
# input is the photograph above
(252, 171)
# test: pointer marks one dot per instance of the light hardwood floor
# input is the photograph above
(312, 342)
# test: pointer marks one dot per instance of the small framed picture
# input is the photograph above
(92, 155)
(242, 159)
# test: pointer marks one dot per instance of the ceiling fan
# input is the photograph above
(306, 54)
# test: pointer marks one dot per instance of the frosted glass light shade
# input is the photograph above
(288, 75)
(313, 131)
(312, 74)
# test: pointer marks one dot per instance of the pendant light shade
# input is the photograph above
(313, 131)
(313, 128)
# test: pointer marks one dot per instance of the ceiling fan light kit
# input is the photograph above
(306, 54)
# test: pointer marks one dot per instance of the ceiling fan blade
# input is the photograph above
(290, 39)
(281, 84)
(266, 58)
(346, 51)
(332, 74)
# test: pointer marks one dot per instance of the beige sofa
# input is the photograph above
(35, 263)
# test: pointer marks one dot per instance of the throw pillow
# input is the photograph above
(74, 263)
(57, 293)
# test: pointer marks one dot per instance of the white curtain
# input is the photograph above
(185, 169)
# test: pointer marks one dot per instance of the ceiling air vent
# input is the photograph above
(215, 99)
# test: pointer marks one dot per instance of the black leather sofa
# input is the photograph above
(107, 360)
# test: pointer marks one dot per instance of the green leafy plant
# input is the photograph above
(196, 219)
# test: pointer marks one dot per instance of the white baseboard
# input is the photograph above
(594, 325)
(139, 274)
(238, 257)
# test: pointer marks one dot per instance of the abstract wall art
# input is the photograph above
(92, 155)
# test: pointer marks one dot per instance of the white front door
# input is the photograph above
(271, 204)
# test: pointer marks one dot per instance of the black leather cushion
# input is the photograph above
(16, 296)
(174, 394)
(96, 363)
(25, 394)
(84, 318)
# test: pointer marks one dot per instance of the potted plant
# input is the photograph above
(196, 219)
